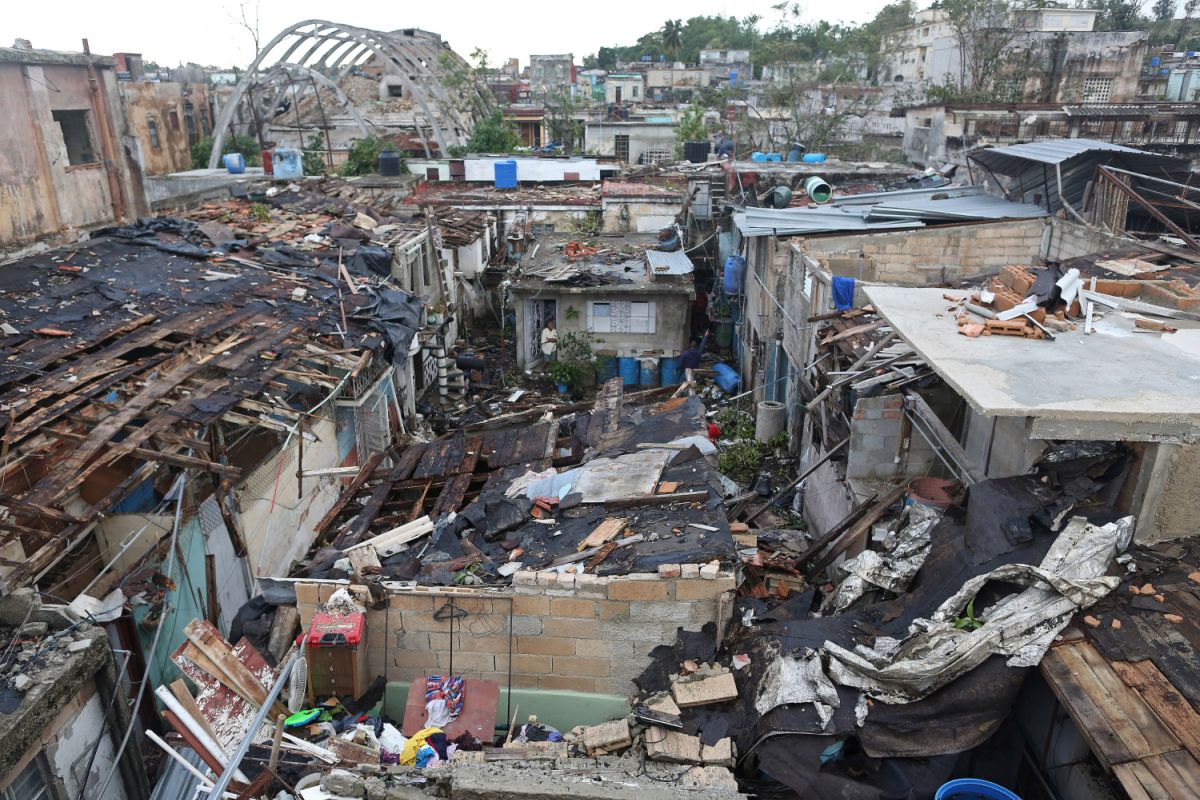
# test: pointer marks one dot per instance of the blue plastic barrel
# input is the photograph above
(606, 369)
(734, 266)
(973, 789)
(648, 372)
(813, 158)
(727, 378)
(288, 164)
(234, 162)
(670, 370)
(506, 174)
(629, 370)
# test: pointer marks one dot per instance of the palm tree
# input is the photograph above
(672, 37)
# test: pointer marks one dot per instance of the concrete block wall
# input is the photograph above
(573, 632)
(930, 256)
(1071, 240)
(883, 444)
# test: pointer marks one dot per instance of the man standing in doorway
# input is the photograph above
(690, 359)
(549, 341)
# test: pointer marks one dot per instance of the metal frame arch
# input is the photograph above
(405, 56)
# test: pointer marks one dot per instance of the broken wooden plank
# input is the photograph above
(606, 531)
(350, 491)
(1164, 700)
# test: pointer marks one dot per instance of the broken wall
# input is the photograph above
(929, 256)
(41, 192)
(67, 742)
(276, 517)
(571, 632)
(883, 444)
(626, 215)
(168, 148)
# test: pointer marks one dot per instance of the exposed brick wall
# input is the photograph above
(930, 255)
(879, 434)
(574, 632)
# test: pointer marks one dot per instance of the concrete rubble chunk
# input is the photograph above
(719, 754)
(607, 737)
(344, 783)
(22, 683)
(672, 746)
(663, 704)
(34, 630)
(703, 689)
(710, 778)
(79, 646)
(376, 788)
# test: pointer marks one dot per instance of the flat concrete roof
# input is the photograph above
(1113, 384)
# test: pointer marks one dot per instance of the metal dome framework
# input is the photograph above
(326, 52)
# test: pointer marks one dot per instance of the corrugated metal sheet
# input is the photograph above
(1029, 167)
(1051, 151)
(674, 263)
(176, 782)
(882, 211)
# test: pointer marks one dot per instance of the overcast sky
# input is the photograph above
(171, 33)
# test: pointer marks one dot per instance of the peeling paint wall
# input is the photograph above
(41, 192)
(165, 105)
(67, 743)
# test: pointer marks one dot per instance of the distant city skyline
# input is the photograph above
(171, 35)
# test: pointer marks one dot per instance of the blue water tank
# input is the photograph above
(813, 158)
(629, 370)
(758, 157)
(734, 267)
(606, 369)
(288, 163)
(670, 370)
(234, 162)
(506, 174)
(648, 372)
(973, 789)
(1154, 62)
(727, 378)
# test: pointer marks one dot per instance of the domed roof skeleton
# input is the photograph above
(413, 54)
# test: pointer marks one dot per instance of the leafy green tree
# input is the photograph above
(493, 134)
(313, 156)
(1163, 10)
(235, 143)
(672, 36)
(1119, 15)
(560, 110)
(363, 158)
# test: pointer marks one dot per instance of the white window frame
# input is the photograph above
(623, 316)
(597, 323)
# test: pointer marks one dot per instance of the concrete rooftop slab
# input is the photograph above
(1113, 384)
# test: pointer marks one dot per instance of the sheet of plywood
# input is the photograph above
(632, 475)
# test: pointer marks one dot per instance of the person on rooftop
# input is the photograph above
(690, 358)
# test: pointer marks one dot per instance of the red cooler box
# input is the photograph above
(337, 654)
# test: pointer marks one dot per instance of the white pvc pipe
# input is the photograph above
(207, 742)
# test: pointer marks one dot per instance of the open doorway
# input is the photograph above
(537, 311)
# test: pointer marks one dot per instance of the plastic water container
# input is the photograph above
(734, 266)
(629, 370)
(727, 378)
(818, 190)
(234, 162)
(506, 174)
(389, 163)
(669, 366)
(648, 372)
(813, 158)
(973, 789)
(288, 163)
(606, 369)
